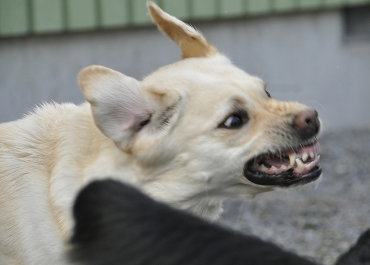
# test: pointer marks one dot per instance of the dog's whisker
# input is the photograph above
(316, 102)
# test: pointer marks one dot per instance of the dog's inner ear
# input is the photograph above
(118, 104)
(190, 41)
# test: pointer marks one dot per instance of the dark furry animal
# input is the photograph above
(118, 225)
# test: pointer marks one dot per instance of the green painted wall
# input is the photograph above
(24, 17)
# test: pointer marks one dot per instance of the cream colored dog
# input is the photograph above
(191, 134)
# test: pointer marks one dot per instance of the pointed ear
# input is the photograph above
(190, 41)
(118, 105)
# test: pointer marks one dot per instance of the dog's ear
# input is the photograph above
(118, 104)
(190, 41)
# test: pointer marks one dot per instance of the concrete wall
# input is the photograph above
(302, 57)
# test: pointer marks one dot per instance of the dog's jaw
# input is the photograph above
(292, 167)
(200, 193)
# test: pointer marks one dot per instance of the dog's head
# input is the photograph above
(201, 129)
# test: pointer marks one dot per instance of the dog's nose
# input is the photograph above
(307, 123)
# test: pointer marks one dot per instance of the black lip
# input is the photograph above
(284, 179)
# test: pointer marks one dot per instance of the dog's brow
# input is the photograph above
(237, 101)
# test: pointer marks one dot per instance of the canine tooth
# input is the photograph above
(300, 164)
(263, 167)
(292, 158)
(305, 156)
(312, 154)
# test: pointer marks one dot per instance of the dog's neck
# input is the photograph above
(74, 159)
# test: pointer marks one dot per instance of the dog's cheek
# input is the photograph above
(150, 150)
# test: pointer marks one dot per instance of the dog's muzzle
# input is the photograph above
(294, 166)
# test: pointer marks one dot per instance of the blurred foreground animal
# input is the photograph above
(116, 224)
(191, 134)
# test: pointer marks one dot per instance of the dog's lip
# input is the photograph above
(285, 179)
(293, 166)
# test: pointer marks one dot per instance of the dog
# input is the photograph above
(191, 134)
(117, 224)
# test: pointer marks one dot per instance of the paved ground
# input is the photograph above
(319, 222)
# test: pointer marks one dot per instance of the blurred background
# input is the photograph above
(313, 51)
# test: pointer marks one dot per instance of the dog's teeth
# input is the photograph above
(305, 156)
(263, 168)
(292, 158)
(312, 154)
(273, 168)
(284, 167)
(300, 164)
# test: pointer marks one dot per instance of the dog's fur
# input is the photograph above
(160, 134)
(116, 224)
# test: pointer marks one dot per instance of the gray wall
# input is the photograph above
(302, 57)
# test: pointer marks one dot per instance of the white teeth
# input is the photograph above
(292, 158)
(273, 168)
(263, 167)
(312, 154)
(304, 157)
(284, 167)
(300, 164)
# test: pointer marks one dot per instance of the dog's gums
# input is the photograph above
(284, 168)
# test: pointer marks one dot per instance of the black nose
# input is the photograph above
(307, 123)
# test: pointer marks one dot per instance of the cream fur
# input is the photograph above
(185, 160)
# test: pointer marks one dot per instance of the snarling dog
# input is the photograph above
(191, 134)
(117, 224)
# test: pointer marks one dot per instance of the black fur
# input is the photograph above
(117, 224)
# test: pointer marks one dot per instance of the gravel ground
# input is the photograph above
(317, 221)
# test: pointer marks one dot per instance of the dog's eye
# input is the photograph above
(268, 94)
(232, 122)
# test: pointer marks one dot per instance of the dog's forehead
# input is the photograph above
(203, 73)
